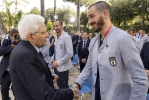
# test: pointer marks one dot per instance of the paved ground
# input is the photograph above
(72, 77)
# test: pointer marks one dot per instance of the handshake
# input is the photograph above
(75, 90)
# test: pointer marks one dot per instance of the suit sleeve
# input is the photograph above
(134, 65)
(79, 51)
(69, 51)
(142, 56)
(5, 48)
(34, 79)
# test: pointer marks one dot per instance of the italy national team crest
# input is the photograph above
(112, 61)
(61, 46)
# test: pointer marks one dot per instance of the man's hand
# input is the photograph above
(13, 46)
(75, 86)
(51, 62)
(147, 72)
(75, 90)
(54, 63)
(55, 77)
(83, 60)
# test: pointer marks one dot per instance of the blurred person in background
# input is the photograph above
(61, 60)
(5, 50)
(83, 51)
(52, 40)
(144, 37)
(132, 32)
(90, 36)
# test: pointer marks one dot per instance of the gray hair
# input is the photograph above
(29, 23)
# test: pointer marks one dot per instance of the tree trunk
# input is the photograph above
(78, 16)
(54, 17)
(143, 12)
(2, 27)
(42, 8)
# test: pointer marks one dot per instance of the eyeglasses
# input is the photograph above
(42, 32)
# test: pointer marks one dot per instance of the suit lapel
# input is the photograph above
(43, 64)
(46, 70)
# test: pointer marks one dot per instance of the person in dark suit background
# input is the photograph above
(52, 40)
(145, 58)
(31, 77)
(83, 50)
(74, 41)
(5, 50)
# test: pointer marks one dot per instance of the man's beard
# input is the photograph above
(99, 23)
(58, 31)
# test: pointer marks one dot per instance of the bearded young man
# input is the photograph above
(114, 61)
(61, 61)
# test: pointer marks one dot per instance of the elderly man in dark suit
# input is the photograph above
(5, 50)
(83, 50)
(31, 78)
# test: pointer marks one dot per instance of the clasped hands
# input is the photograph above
(75, 90)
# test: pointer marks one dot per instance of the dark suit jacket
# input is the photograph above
(31, 78)
(83, 53)
(74, 40)
(145, 55)
(5, 51)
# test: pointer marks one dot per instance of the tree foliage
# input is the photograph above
(64, 14)
(49, 25)
(84, 19)
(123, 11)
(82, 2)
(20, 3)
(10, 18)
(34, 10)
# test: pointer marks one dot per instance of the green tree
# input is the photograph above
(123, 11)
(17, 17)
(82, 2)
(2, 27)
(84, 19)
(64, 14)
(34, 10)
(7, 5)
(49, 26)
(21, 3)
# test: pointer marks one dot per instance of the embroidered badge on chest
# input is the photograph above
(112, 61)
(61, 46)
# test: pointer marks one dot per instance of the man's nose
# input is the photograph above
(47, 35)
(89, 21)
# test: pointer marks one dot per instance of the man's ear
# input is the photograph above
(30, 37)
(105, 14)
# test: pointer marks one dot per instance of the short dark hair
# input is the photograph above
(60, 22)
(14, 30)
(100, 6)
(132, 29)
(85, 32)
